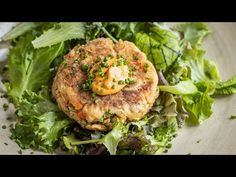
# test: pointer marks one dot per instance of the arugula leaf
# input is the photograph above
(193, 32)
(39, 124)
(59, 33)
(160, 45)
(182, 88)
(29, 67)
(225, 88)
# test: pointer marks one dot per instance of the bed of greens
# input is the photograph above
(188, 83)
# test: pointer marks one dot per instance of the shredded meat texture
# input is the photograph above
(100, 113)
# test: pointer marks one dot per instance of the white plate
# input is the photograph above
(216, 135)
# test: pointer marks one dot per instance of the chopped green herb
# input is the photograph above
(85, 55)
(105, 77)
(99, 68)
(122, 61)
(76, 60)
(135, 58)
(20, 151)
(4, 95)
(129, 81)
(5, 106)
(4, 81)
(113, 86)
(11, 126)
(169, 146)
(99, 72)
(31, 152)
(105, 59)
(6, 144)
(114, 80)
(95, 97)
(65, 65)
(91, 76)
(232, 117)
(146, 66)
(85, 68)
(102, 74)
(165, 151)
(98, 59)
(109, 56)
(198, 141)
(9, 118)
(106, 115)
(121, 82)
(87, 85)
(132, 68)
(4, 127)
(71, 109)
(104, 65)
(101, 119)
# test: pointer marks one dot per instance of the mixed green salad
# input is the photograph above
(188, 83)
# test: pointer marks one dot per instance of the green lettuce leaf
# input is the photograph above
(193, 32)
(201, 69)
(226, 88)
(18, 30)
(182, 88)
(24, 27)
(112, 139)
(59, 33)
(199, 105)
(160, 45)
(29, 67)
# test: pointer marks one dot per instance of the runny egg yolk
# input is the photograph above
(112, 79)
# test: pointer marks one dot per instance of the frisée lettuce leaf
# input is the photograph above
(40, 123)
